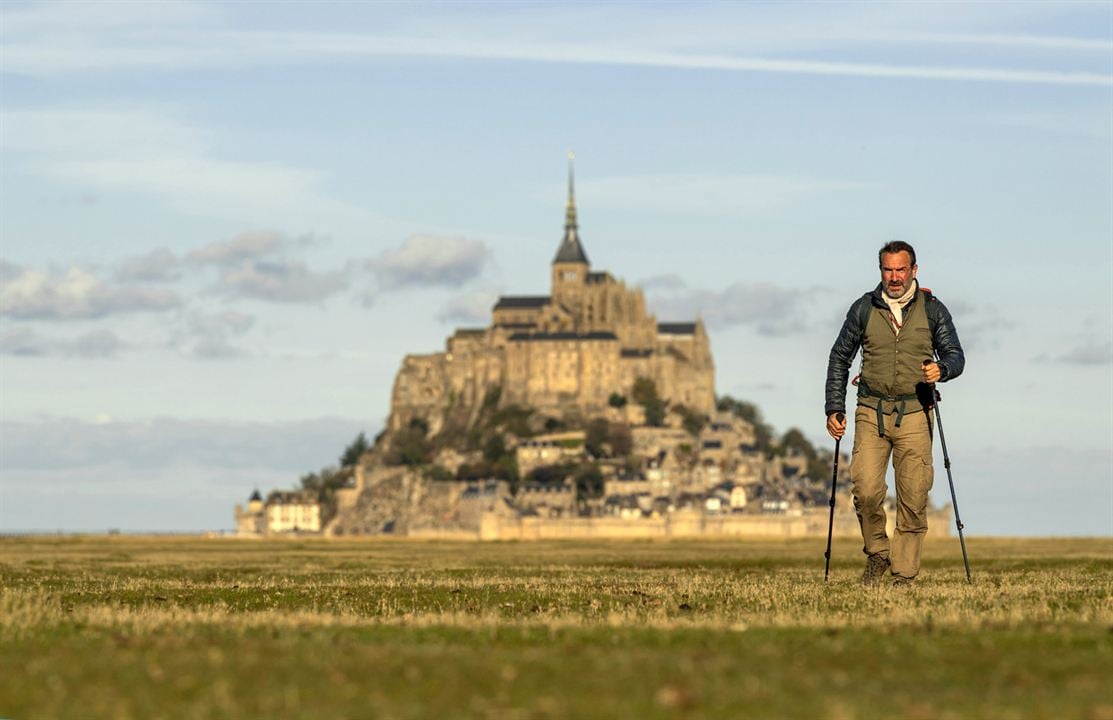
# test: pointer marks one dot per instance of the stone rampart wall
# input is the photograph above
(811, 523)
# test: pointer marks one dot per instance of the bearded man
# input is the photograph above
(901, 329)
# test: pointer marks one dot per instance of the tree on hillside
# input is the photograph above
(551, 474)
(794, 439)
(622, 442)
(324, 484)
(589, 482)
(693, 420)
(409, 446)
(822, 465)
(495, 448)
(645, 394)
(354, 451)
(596, 436)
(751, 413)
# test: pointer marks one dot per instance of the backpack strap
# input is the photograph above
(932, 309)
(865, 307)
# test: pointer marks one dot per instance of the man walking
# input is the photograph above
(900, 328)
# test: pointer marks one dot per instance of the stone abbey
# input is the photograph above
(568, 353)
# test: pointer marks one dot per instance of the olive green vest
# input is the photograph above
(891, 363)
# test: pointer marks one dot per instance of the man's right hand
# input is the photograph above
(836, 425)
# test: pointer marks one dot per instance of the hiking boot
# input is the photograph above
(876, 567)
(900, 581)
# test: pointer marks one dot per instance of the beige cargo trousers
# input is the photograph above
(910, 447)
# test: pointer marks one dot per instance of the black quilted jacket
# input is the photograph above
(944, 339)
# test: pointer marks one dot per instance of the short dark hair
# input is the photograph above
(896, 246)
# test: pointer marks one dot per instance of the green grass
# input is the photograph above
(152, 627)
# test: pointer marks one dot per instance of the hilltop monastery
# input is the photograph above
(571, 350)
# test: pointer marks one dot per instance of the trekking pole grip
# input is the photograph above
(841, 417)
(934, 389)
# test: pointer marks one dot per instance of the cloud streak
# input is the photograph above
(26, 342)
(1088, 353)
(39, 46)
(684, 61)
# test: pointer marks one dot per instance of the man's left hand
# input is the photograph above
(932, 372)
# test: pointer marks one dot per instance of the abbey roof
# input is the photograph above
(522, 301)
(676, 328)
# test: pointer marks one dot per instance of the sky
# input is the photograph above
(223, 225)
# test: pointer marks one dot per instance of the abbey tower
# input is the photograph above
(566, 353)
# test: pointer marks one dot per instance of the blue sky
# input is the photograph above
(223, 225)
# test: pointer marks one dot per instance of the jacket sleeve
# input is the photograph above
(945, 341)
(842, 356)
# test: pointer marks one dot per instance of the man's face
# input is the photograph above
(897, 273)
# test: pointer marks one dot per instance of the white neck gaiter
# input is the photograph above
(896, 305)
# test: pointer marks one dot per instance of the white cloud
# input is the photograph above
(430, 261)
(213, 336)
(771, 310)
(159, 265)
(286, 281)
(472, 306)
(245, 246)
(76, 294)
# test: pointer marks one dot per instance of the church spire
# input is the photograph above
(570, 208)
(571, 251)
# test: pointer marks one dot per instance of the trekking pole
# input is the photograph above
(831, 520)
(950, 479)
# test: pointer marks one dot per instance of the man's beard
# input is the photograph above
(896, 291)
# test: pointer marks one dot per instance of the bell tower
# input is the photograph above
(570, 266)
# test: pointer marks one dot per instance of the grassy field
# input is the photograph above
(120, 627)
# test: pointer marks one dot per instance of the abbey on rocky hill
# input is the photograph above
(571, 353)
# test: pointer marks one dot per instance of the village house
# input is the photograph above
(282, 512)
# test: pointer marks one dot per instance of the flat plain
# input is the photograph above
(187, 627)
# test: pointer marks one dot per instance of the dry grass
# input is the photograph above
(183, 627)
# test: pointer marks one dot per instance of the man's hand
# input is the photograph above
(836, 425)
(932, 373)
